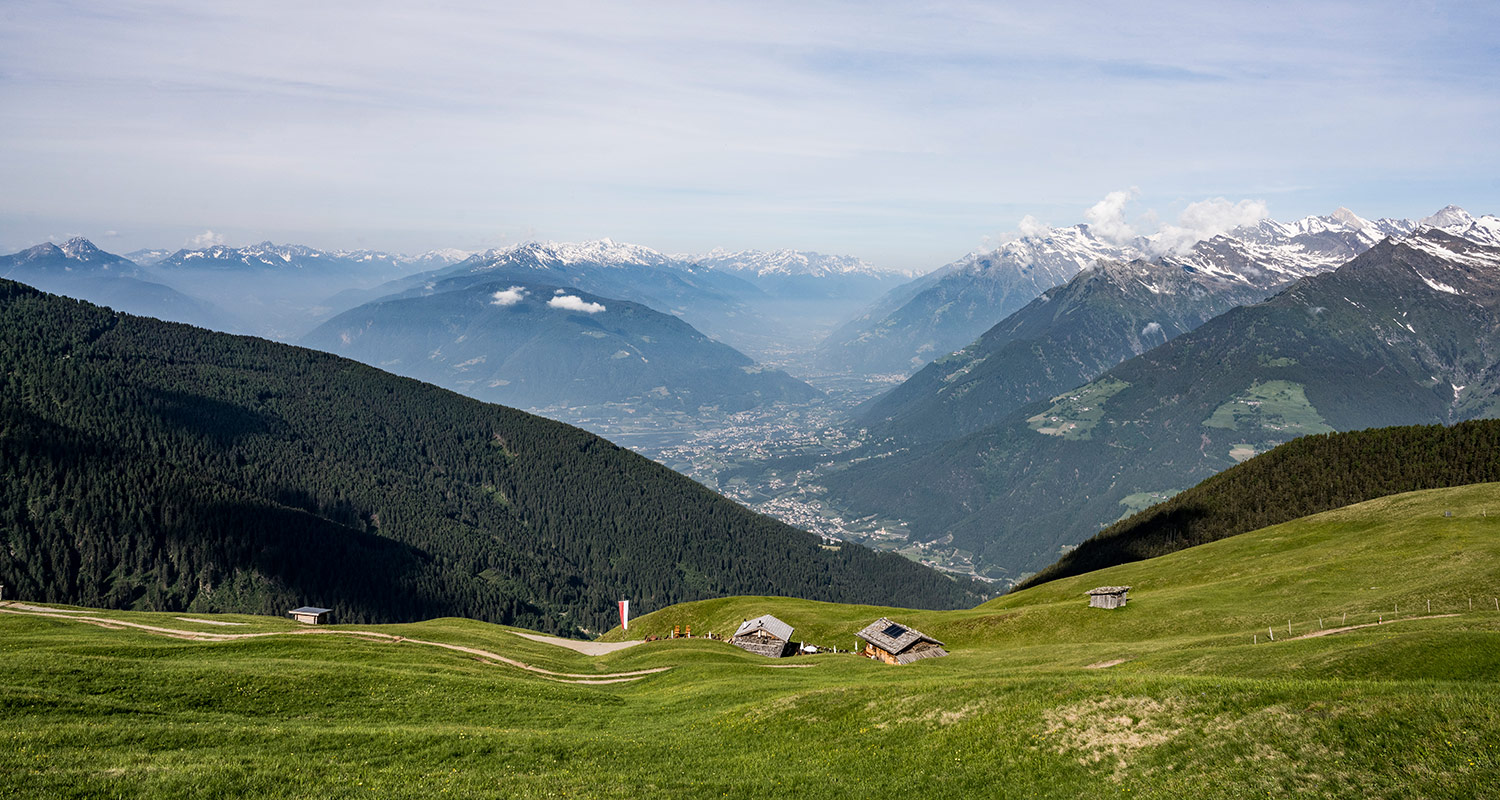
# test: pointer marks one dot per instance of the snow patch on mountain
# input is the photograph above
(762, 263)
(543, 255)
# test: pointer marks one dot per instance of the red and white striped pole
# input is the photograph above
(625, 615)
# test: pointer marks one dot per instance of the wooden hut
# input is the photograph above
(764, 635)
(1107, 596)
(310, 615)
(894, 643)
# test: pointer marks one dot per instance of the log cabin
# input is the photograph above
(764, 635)
(894, 643)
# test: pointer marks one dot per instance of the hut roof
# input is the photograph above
(309, 610)
(893, 637)
(766, 623)
(1108, 590)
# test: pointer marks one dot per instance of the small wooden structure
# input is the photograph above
(894, 643)
(310, 615)
(1107, 596)
(764, 635)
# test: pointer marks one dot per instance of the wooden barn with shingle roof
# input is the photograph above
(765, 635)
(1108, 596)
(894, 643)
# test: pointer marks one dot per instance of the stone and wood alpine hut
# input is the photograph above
(764, 635)
(894, 643)
(310, 615)
(1107, 596)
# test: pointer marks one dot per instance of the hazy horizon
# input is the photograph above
(904, 136)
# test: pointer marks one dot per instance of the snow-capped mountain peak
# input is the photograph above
(80, 249)
(763, 263)
(1349, 219)
(1454, 220)
(1449, 217)
(76, 254)
(601, 252)
(1057, 254)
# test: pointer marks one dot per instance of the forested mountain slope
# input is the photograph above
(1300, 478)
(536, 345)
(159, 466)
(1408, 333)
(1068, 336)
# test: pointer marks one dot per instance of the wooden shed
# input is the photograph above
(310, 615)
(764, 635)
(894, 643)
(1107, 596)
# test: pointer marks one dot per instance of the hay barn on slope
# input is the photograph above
(894, 643)
(1107, 596)
(764, 635)
(311, 615)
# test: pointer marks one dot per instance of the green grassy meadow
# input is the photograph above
(1199, 704)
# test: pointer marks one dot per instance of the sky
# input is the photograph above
(905, 133)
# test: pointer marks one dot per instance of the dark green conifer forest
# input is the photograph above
(1304, 476)
(152, 465)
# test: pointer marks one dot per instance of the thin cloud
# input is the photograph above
(1206, 219)
(206, 239)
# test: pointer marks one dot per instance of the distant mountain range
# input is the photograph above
(802, 275)
(940, 313)
(536, 345)
(366, 265)
(639, 350)
(79, 269)
(1114, 310)
(1406, 333)
(709, 300)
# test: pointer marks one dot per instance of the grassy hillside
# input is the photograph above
(1302, 477)
(149, 465)
(1404, 709)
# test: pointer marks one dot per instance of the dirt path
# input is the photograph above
(586, 648)
(204, 636)
(1332, 631)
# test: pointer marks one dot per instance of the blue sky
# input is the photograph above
(903, 133)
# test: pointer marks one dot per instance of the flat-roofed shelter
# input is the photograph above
(895, 643)
(764, 635)
(1107, 596)
(311, 615)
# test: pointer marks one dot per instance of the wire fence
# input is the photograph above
(1340, 621)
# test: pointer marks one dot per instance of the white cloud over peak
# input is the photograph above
(206, 239)
(508, 297)
(572, 302)
(1106, 218)
(1206, 219)
(1031, 226)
